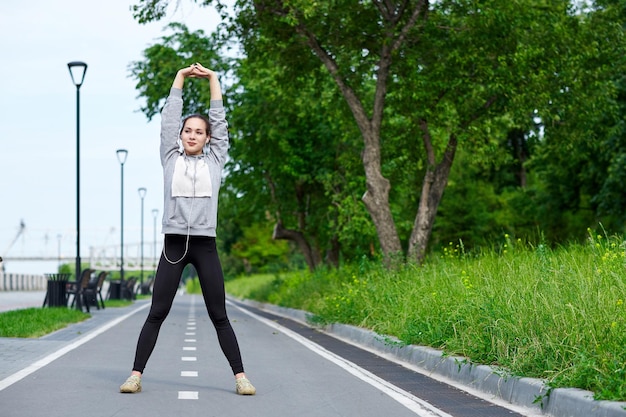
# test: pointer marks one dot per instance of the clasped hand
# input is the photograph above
(197, 71)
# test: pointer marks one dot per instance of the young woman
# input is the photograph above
(192, 159)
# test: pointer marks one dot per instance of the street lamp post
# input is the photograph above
(77, 70)
(155, 213)
(142, 194)
(121, 157)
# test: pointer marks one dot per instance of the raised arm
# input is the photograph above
(171, 115)
(183, 73)
(218, 144)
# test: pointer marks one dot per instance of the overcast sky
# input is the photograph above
(38, 126)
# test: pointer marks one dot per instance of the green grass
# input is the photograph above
(555, 314)
(37, 322)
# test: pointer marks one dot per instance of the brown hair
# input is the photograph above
(197, 116)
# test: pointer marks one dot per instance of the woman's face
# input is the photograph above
(194, 136)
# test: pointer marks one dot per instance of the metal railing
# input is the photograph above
(22, 282)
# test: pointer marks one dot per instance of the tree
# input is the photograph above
(288, 164)
(580, 160)
(154, 74)
(446, 73)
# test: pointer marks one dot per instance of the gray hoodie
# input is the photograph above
(191, 183)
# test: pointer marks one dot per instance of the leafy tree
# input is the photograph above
(580, 161)
(258, 250)
(155, 73)
(421, 79)
(293, 158)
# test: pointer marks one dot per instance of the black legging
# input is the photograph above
(202, 254)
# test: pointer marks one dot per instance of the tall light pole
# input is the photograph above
(121, 156)
(78, 70)
(142, 194)
(155, 213)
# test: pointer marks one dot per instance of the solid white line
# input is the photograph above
(413, 403)
(12, 379)
(449, 381)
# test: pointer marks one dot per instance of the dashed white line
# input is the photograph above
(187, 395)
(191, 325)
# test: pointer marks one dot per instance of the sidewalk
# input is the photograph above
(13, 300)
(17, 354)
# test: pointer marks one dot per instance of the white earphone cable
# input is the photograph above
(193, 199)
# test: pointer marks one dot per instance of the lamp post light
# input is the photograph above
(121, 157)
(142, 194)
(77, 70)
(155, 213)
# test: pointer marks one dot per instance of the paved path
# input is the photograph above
(12, 300)
(298, 371)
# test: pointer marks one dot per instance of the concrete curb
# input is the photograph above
(530, 393)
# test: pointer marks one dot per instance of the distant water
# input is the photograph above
(30, 267)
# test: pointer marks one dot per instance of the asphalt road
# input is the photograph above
(297, 370)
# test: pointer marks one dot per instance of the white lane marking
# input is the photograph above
(12, 379)
(191, 328)
(413, 403)
(190, 340)
(187, 395)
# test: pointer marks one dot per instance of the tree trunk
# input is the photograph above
(311, 257)
(332, 254)
(376, 197)
(435, 181)
(287, 234)
(519, 148)
(376, 200)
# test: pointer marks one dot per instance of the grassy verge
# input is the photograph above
(37, 322)
(558, 315)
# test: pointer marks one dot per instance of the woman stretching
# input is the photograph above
(192, 178)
